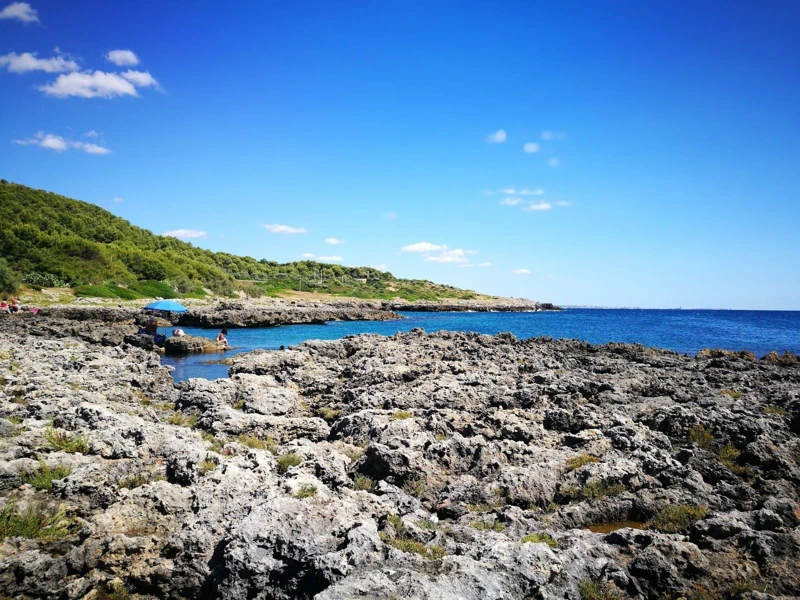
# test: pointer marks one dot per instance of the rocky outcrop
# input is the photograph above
(452, 465)
(495, 305)
(189, 344)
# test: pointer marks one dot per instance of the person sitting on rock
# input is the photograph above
(222, 340)
(4, 307)
(14, 305)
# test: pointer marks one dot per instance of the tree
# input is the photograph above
(8, 279)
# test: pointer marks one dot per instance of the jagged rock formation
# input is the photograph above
(417, 466)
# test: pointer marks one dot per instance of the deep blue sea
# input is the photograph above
(685, 331)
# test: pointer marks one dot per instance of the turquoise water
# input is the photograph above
(685, 331)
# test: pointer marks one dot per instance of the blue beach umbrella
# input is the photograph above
(167, 306)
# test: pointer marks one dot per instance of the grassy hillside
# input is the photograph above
(50, 240)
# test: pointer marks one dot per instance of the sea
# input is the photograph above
(684, 331)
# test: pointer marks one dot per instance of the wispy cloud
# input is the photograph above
(22, 11)
(447, 255)
(308, 255)
(91, 133)
(330, 258)
(510, 201)
(537, 206)
(185, 234)
(521, 272)
(531, 147)
(522, 192)
(99, 84)
(59, 144)
(288, 229)
(117, 200)
(485, 264)
(498, 137)
(563, 203)
(421, 247)
(549, 136)
(334, 241)
(553, 162)
(123, 58)
(29, 61)
(380, 267)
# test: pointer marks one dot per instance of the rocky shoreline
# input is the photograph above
(450, 465)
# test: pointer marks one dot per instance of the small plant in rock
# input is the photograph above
(353, 452)
(702, 436)
(206, 466)
(257, 443)
(287, 461)
(732, 393)
(415, 487)
(592, 590)
(727, 456)
(306, 491)
(597, 489)
(43, 477)
(677, 518)
(400, 415)
(113, 591)
(35, 522)
(775, 410)
(483, 507)
(540, 538)
(329, 414)
(483, 525)
(431, 552)
(363, 483)
(14, 420)
(138, 480)
(59, 440)
(576, 462)
(178, 418)
(238, 405)
(427, 525)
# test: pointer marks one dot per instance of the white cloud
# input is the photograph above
(521, 272)
(549, 136)
(485, 264)
(531, 148)
(553, 162)
(20, 10)
(123, 58)
(538, 206)
(456, 255)
(522, 192)
(498, 137)
(185, 234)
(140, 78)
(27, 61)
(563, 203)
(92, 134)
(59, 144)
(308, 255)
(99, 84)
(330, 258)
(510, 201)
(422, 247)
(117, 200)
(334, 241)
(380, 267)
(284, 229)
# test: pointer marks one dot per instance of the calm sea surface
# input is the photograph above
(686, 331)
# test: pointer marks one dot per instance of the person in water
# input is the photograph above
(222, 341)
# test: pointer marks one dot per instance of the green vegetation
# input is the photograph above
(178, 418)
(774, 410)
(51, 240)
(577, 462)
(728, 456)
(59, 440)
(401, 540)
(401, 415)
(674, 519)
(139, 479)
(43, 477)
(287, 461)
(36, 522)
(329, 414)
(306, 491)
(9, 282)
(591, 590)
(541, 538)
(488, 525)
(702, 436)
(732, 393)
(594, 489)
(257, 443)
(362, 482)
(206, 466)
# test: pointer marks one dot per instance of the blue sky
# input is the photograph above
(662, 163)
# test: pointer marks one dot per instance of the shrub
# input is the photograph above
(139, 479)
(702, 437)
(597, 489)
(257, 443)
(591, 590)
(679, 517)
(287, 461)
(415, 487)
(59, 440)
(329, 414)
(577, 462)
(488, 525)
(306, 491)
(206, 466)
(43, 477)
(362, 482)
(8, 279)
(43, 280)
(178, 418)
(732, 393)
(727, 456)
(540, 538)
(432, 552)
(36, 522)
(400, 415)
(774, 410)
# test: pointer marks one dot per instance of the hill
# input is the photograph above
(52, 240)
